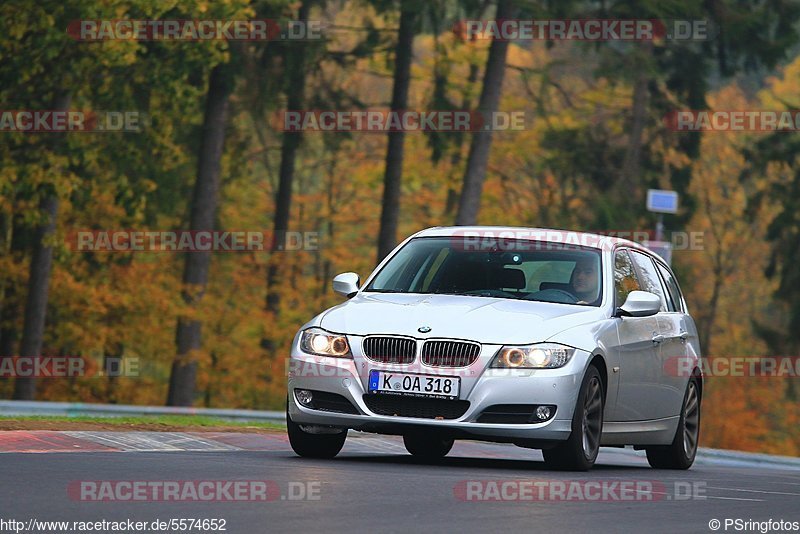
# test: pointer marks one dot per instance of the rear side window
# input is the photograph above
(648, 276)
(625, 279)
(672, 288)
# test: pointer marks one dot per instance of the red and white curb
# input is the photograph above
(43, 441)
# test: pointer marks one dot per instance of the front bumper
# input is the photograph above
(486, 388)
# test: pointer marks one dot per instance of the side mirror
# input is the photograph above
(346, 284)
(639, 304)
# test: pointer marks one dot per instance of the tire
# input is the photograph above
(427, 447)
(579, 451)
(310, 445)
(681, 452)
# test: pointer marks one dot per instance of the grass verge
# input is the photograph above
(182, 423)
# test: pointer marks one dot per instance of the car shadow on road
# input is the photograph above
(461, 462)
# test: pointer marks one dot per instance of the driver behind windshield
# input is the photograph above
(584, 281)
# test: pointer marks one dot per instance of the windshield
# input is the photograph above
(504, 268)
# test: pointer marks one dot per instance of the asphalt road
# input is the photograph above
(374, 486)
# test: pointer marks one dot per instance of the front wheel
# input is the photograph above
(427, 447)
(579, 452)
(681, 452)
(310, 445)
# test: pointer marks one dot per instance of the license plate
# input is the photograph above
(415, 385)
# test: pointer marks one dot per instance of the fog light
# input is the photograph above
(543, 413)
(304, 396)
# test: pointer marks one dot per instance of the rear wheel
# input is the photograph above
(681, 452)
(427, 447)
(579, 452)
(313, 444)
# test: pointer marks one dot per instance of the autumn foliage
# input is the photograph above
(561, 171)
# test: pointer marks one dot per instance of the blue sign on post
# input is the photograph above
(661, 201)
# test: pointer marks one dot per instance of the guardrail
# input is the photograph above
(74, 409)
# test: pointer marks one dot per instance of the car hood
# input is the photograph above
(481, 319)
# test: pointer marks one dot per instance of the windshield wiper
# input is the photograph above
(486, 293)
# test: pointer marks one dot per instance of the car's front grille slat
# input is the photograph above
(448, 353)
(385, 349)
(418, 407)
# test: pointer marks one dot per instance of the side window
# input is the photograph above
(625, 279)
(672, 287)
(649, 277)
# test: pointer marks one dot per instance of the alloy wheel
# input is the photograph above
(691, 425)
(592, 417)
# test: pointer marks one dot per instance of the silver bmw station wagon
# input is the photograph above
(547, 339)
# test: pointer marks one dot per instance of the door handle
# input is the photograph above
(658, 338)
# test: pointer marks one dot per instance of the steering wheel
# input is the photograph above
(571, 299)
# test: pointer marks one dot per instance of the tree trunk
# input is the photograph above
(708, 327)
(390, 207)
(478, 158)
(8, 314)
(9, 309)
(452, 193)
(204, 205)
(113, 364)
(295, 90)
(39, 279)
(38, 288)
(629, 176)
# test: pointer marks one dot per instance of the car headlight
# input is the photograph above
(318, 341)
(540, 356)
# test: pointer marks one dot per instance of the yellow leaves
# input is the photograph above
(106, 302)
(734, 256)
(729, 401)
(782, 91)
